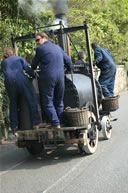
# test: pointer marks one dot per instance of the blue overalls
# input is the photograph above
(18, 84)
(51, 59)
(104, 61)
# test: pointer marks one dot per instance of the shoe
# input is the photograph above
(54, 127)
(13, 130)
(36, 127)
(16, 134)
(43, 125)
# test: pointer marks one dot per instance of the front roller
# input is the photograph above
(106, 127)
(90, 136)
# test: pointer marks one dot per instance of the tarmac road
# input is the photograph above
(64, 170)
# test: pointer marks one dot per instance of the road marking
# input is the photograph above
(78, 167)
(11, 168)
(63, 177)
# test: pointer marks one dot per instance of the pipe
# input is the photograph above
(68, 45)
(86, 27)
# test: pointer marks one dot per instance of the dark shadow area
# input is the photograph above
(63, 153)
(13, 158)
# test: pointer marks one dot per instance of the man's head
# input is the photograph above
(94, 45)
(8, 52)
(81, 55)
(41, 38)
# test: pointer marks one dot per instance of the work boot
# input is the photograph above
(36, 127)
(54, 127)
(14, 132)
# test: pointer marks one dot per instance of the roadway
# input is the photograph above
(64, 170)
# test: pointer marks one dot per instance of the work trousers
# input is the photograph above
(26, 89)
(51, 94)
(107, 84)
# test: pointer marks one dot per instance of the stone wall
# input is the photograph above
(121, 81)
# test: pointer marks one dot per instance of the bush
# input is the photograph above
(4, 109)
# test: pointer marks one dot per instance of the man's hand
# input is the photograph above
(94, 63)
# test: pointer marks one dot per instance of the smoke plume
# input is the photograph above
(58, 6)
(35, 7)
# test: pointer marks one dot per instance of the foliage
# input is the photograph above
(107, 26)
(8, 8)
(4, 107)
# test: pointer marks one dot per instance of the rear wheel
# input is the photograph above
(90, 136)
(35, 148)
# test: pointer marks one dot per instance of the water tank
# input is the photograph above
(78, 91)
(24, 114)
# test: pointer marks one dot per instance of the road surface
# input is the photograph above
(64, 170)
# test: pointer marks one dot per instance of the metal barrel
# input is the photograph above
(79, 91)
(37, 92)
(24, 114)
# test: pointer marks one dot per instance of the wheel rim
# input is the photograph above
(90, 136)
(91, 133)
(106, 127)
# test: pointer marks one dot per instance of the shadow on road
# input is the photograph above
(12, 155)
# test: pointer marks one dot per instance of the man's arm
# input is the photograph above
(67, 61)
(36, 59)
(27, 69)
(98, 56)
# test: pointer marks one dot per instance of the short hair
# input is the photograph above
(81, 54)
(8, 52)
(94, 44)
(41, 34)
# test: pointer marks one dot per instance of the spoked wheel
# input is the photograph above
(90, 136)
(90, 106)
(35, 148)
(106, 127)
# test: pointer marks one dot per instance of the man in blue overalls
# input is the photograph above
(104, 61)
(18, 84)
(51, 59)
(85, 67)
